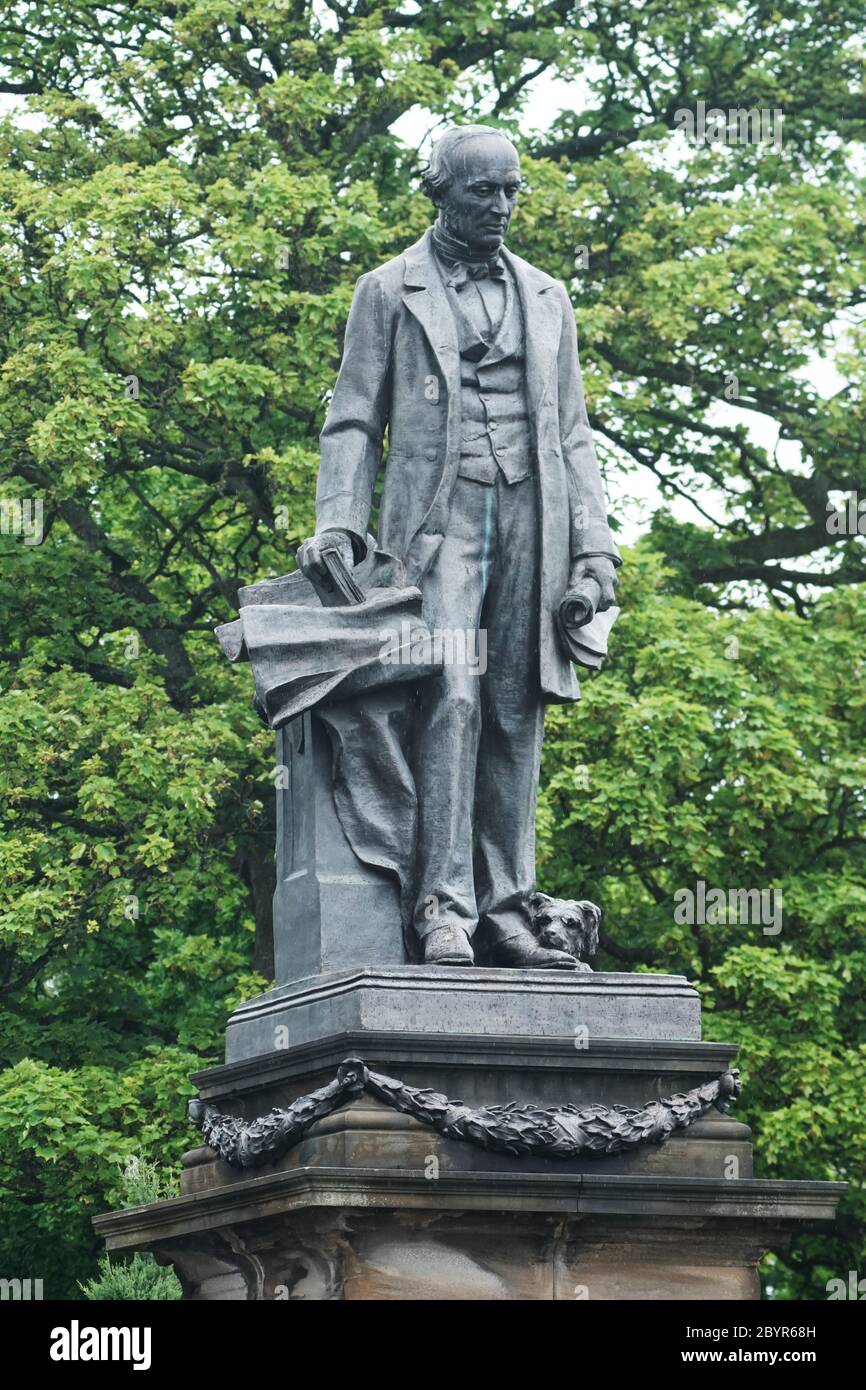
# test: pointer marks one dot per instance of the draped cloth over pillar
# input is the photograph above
(357, 667)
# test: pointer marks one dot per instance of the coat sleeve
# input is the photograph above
(351, 441)
(590, 533)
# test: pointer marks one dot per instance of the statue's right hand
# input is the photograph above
(309, 556)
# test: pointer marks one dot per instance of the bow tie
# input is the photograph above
(460, 273)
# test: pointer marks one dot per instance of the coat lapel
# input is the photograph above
(542, 321)
(425, 298)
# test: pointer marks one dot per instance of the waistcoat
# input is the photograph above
(495, 418)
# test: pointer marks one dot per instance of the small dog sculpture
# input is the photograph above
(566, 925)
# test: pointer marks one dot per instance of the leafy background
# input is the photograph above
(188, 194)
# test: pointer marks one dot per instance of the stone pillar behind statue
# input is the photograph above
(331, 911)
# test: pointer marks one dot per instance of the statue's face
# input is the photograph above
(477, 207)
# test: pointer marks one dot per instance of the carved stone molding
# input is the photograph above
(559, 1132)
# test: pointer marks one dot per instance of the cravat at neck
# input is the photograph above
(456, 252)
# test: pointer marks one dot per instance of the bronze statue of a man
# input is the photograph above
(466, 357)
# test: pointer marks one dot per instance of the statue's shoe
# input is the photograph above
(524, 953)
(447, 946)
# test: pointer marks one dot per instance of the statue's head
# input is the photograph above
(473, 179)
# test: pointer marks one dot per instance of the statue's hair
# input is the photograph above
(437, 177)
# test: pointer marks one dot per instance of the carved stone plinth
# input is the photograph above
(477, 1002)
(357, 1234)
(374, 1203)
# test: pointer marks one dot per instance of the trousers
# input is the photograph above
(477, 745)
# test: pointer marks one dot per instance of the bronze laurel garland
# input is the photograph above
(561, 1132)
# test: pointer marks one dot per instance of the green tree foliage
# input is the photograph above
(730, 748)
(188, 193)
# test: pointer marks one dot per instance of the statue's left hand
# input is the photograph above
(603, 571)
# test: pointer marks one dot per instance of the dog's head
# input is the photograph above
(562, 924)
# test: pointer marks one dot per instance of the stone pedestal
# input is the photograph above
(373, 1204)
(439, 1002)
